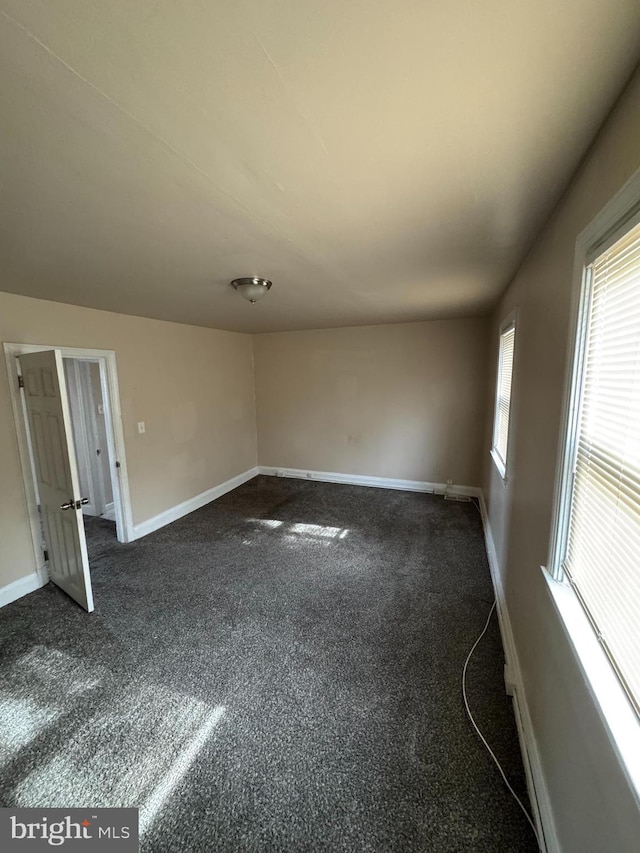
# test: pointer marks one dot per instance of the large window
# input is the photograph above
(503, 395)
(598, 550)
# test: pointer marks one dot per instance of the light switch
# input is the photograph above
(141, 427)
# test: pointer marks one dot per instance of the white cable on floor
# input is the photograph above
(482, 737)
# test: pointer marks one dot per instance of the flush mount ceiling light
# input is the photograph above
(251, 289)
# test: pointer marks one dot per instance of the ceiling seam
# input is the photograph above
(148, 130)
(287, 88)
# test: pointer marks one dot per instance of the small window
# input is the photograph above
(503, 396)
(599, 509)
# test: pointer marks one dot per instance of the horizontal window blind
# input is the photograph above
(503, 401)
(602, 557)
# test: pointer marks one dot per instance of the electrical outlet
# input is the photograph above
(449, 482)
(141, 427)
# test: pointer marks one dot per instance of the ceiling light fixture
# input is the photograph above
(251, 289)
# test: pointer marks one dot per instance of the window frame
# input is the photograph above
(588, 248)
(612, 702)
(502, 465)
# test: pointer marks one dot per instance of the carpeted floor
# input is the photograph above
(278, 671)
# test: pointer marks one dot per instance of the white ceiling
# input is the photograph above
(381, 161)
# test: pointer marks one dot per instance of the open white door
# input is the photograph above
(60, 499)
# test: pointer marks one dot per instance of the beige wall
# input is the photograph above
(594, 807)
(401, 401)
(192, 386)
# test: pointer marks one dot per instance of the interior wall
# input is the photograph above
(193, 387)
(594, 806)
(402, 401)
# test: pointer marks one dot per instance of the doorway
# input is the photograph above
(96, 438)
(89, 426)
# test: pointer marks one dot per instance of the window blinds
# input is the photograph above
(503, 402)
(602, 557)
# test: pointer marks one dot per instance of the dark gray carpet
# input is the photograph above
(278, 671)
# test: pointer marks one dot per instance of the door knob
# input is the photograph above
(75, 504)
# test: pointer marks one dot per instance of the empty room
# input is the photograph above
(320, 426)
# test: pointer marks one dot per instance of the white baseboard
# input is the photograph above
(538, 791)
(178, 511)
(23, 586)
(375, 482)
(109, 512)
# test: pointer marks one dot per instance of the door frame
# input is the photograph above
(115, 438)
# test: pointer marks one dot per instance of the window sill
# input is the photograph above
(502, 468)
(617, 713)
